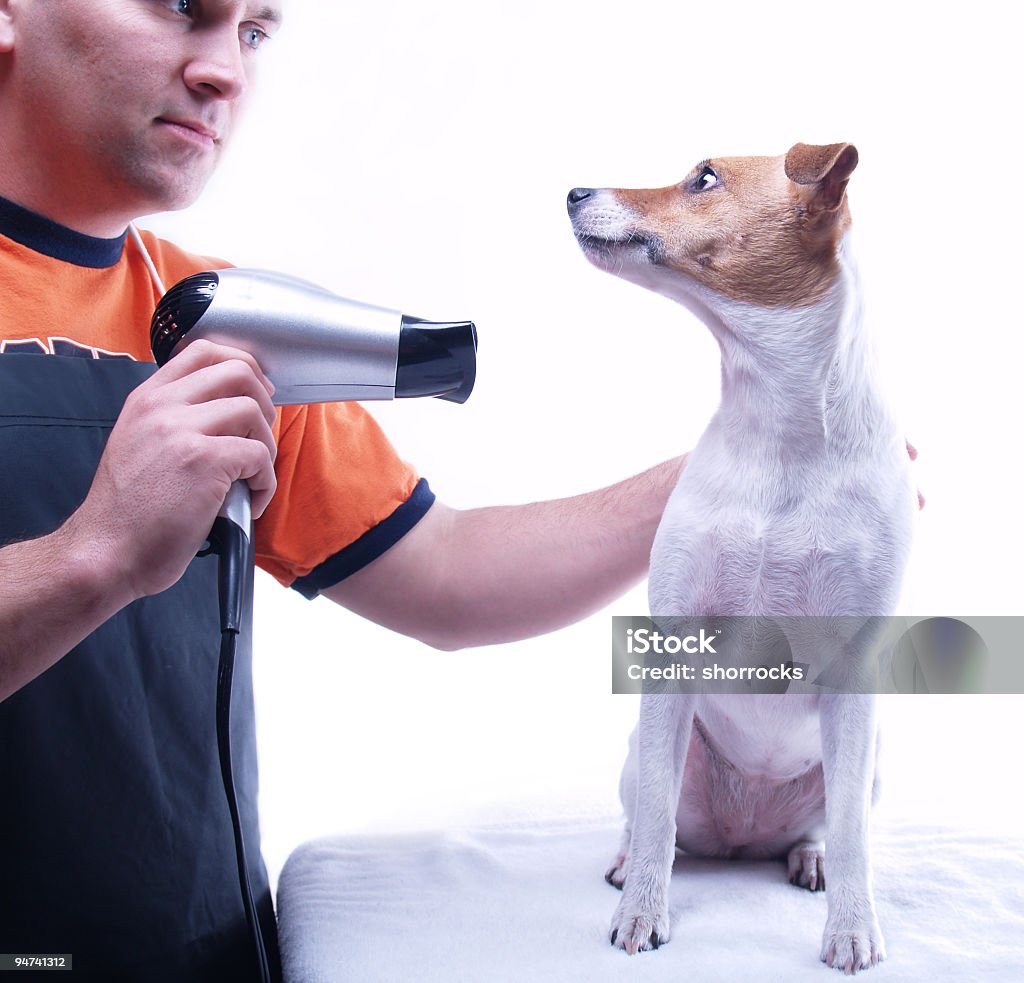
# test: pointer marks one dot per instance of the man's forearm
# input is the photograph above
(500, 574)
(54, 591)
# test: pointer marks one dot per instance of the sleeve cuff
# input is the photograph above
(373, 543)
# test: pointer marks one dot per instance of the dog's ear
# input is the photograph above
(827, 169)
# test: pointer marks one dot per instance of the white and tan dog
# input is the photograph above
(796, 500)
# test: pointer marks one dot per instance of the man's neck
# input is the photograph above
(46, 184)
(63, 211)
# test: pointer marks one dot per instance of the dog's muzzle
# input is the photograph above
(603, 227)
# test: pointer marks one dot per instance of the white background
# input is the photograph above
(418, 156)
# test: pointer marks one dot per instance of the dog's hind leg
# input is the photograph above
(641, 920)
(806, 859)
(806, 865)
(617, 872)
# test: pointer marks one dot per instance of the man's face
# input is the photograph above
(133, 100)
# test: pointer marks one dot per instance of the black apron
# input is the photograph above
(115, 838)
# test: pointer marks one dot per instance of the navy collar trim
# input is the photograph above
(57, 241)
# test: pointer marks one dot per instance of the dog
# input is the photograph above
(796, 501)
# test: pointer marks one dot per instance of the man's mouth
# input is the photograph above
(194, 131)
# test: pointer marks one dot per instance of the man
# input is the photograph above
(113, 841)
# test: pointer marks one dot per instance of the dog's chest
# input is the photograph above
(737, 538)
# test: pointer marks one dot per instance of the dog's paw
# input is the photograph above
(637, 928)
(616, 874)
(807, 866)
(850, 949)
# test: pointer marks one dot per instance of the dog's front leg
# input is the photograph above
(853, 939)
(663, 736)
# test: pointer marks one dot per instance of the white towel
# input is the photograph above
(528, 902)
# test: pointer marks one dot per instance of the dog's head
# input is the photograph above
(764, 230)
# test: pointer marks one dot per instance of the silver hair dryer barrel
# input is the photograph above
(314, 346)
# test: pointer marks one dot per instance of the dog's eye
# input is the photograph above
(706, 179)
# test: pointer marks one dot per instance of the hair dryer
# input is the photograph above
(314, 346)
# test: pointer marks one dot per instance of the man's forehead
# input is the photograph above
(269, 11)
(266, 11)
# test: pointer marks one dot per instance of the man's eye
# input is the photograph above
(705, 180)
(183, 6)
(253, 37)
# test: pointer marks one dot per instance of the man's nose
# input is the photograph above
(216, 68)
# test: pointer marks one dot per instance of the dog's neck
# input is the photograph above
(794, 379)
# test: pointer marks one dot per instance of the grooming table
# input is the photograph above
(528, 902)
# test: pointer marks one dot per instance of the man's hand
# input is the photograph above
(198, 424)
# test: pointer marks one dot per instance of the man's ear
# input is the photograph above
(825, 170)
(6, 27)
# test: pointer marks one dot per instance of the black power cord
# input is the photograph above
(231, 544)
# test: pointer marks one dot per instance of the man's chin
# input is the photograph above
(170, 189)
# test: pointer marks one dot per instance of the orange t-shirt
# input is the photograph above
(343, 495)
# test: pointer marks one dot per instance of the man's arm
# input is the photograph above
(53, 592)
(199, 423)
(477, 577)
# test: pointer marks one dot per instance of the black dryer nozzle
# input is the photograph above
(179, 311)
(436, 359)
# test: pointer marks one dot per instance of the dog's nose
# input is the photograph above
(579, 194)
